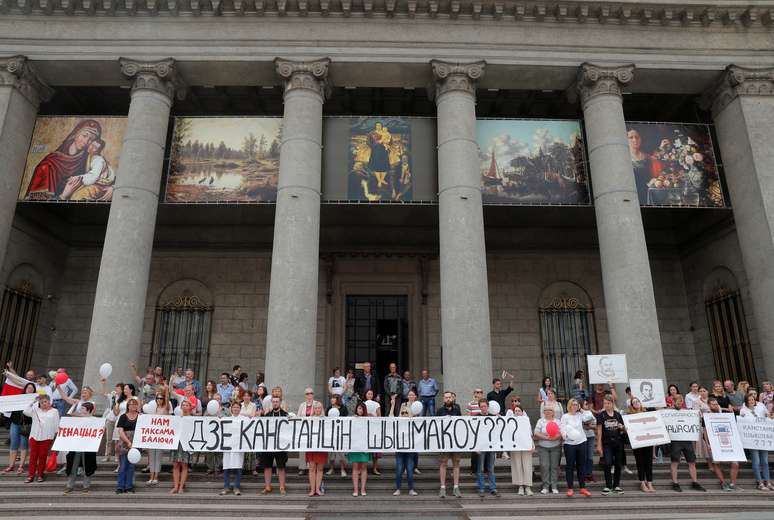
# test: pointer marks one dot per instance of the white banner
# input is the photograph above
(650, 392)
(610, 368)
(757, 433)
(356, 434)
(723, 436)
(79, 434)
(157, 432)
(645, 429)
(682, 425)
(13, 403)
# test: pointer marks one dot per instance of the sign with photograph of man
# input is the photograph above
(73, 159)
(674, 165)
(380, 159)
(607, 368)
(650, 392)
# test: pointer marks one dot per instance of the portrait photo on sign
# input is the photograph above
(526, 161)
(650, 392)
(224, 159)
(607, 368)
(380, 160)
(674, 165)
(73, 159)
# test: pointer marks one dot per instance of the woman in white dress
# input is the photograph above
(233, 460)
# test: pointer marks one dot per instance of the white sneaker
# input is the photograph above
(528, 491)
(555, 490)
(396, 493)
(521, 491)
(343, 473)
(413, 493)
(544, 491)
(457, 492)
(329, 472)
(627, 470)
(417, 472)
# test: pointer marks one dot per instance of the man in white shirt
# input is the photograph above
(692, 396)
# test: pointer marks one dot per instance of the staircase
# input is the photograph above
(46, 501)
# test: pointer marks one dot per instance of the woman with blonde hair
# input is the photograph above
(163, 407)
(316, 460)
(571, 428)
(181, 458)
(643, 456)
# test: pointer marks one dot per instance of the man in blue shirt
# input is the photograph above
(428, 389)
(189, 380)
(224, 388)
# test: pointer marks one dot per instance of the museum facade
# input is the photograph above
(465, 186)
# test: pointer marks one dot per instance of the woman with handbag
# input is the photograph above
(20, 432)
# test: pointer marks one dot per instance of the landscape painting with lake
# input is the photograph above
(224, 159)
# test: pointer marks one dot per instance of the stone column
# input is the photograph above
(465, 333)
(630, 306)
(742, 105)
(295, 262)
(119, 303)
(21, 91)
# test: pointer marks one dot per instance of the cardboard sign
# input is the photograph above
(650, 392)
(757, 433)
(682, 425)
(157, 432)
(646, 429)
(608, 368)
(723, 436)
(13, 403)
(79, 434)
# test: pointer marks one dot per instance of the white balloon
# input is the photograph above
(334, 412)
(105, 370)
(146, 408)
(178, 411)
(371, 406)
(213, 407)
(494, 407)
(134, 455)
(416, 408)
(509, 413)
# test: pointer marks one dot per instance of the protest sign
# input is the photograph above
(682, 425)
(79, 434)
(12, 403)
(345, 434)
(650, 392)
(724, 439)
(609, 368)
(757, 433)
(157, 432)
(645, 429)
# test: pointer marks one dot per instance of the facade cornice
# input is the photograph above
(159, 76)
(755, 13)
(738, 81)
(304, 75)
(16, 72)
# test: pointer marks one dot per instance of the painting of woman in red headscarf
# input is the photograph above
(51, 174)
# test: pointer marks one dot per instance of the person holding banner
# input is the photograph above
(574, 447)
(521, 462)
(359, 460)
(405, 460)
(486, 460)
(19, 433)
(734, 471)
(336, 403)
(449, 409)
(752, 410)
(233, 462)
(374, 410)
(751, 407)
(76, 458)
(316, 460)
(268, 458)
(125, 426)
(643, 456)
(181, 459)
(45, 424)
(161, 406)
(767, 393)
(549, 445)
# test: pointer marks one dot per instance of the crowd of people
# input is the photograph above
(589, 423)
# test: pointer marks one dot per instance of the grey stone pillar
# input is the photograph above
(21, 91)
(630, 305)
(743, 109)
(465, 333)
(295, 262)
(119, 303)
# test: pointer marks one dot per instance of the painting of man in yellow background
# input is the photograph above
(380, 159)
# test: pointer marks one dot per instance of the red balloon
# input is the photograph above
(552, 429)
(61, 378)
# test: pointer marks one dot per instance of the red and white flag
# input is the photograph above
(14, 384)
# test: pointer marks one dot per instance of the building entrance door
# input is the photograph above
(377, 331)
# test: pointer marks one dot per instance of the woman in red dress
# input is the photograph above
(316, 460)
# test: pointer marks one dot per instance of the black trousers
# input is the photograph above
(644, 458)
(613, 461)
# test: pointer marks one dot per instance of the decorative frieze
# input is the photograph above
(456, 76)
(159, 76)
(306, 75)
(738, 81)
(594, 80)
(16, 72)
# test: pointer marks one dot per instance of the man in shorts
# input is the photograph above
(677, 449)
(715, 407)
(269, 458)
(451, 409)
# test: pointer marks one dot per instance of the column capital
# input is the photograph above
(451, 76)
(16, 72)
(160, 76)
(738, 81)
(594, 80)
(304, 75)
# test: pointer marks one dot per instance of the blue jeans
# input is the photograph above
(588, 466)
(428, 406)
(404, 461)
(227, 474)
(125, 473)
(61, 406)
(760, 464)
(574, 456)
(486, 460)
(18, 441)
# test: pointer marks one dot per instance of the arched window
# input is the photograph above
(568, 334)
(731, 349)
(182, 328)
(19, 313)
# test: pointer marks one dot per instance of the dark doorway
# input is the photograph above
(377, 331)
